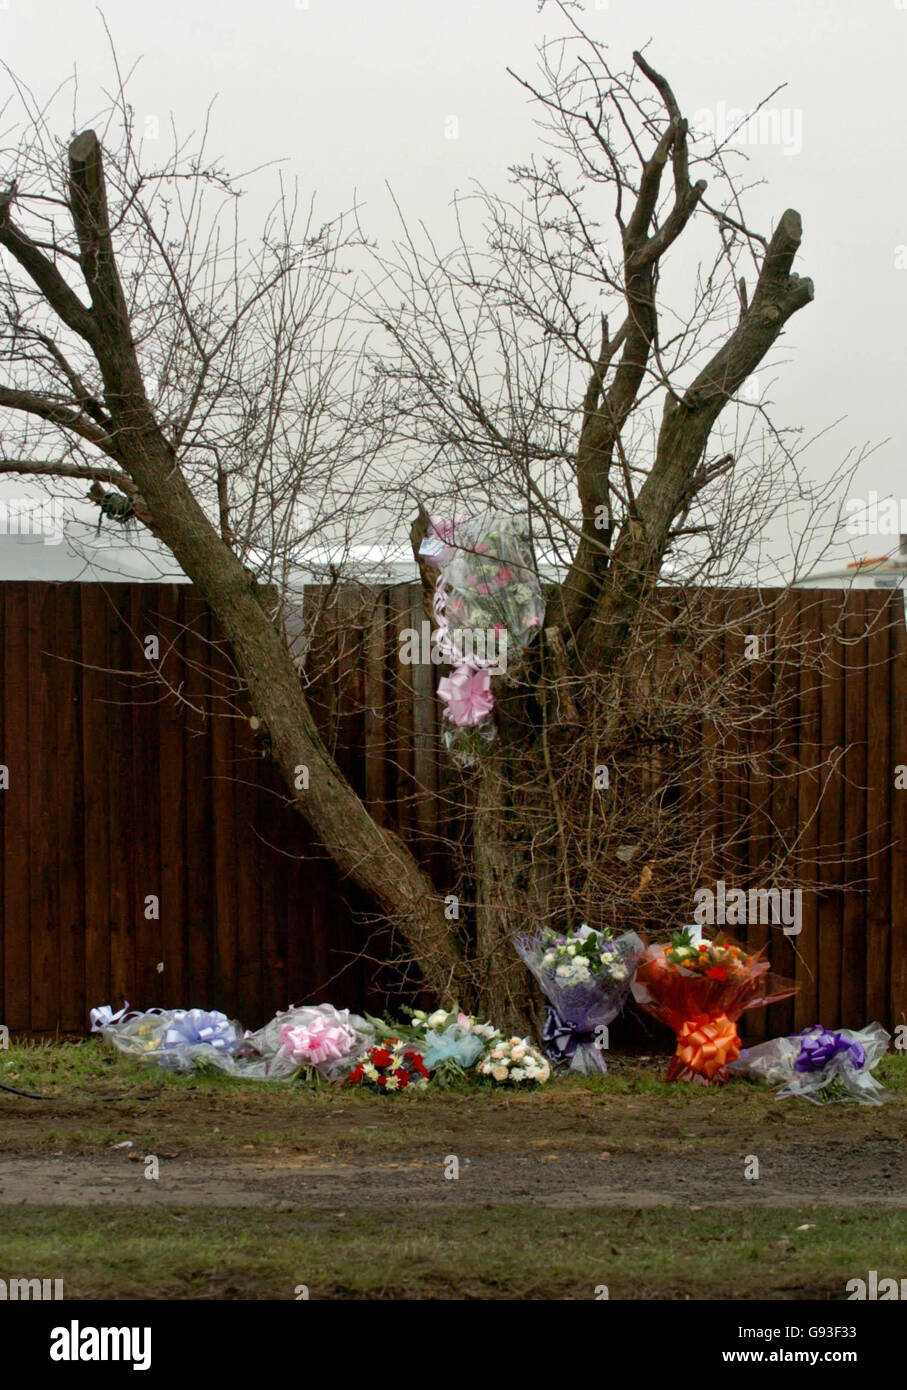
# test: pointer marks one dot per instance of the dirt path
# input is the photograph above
(835, 1174)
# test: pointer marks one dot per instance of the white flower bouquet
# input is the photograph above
(585, 975)
(514, 1062)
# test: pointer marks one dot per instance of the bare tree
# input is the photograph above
(551, 367)
(219, 388)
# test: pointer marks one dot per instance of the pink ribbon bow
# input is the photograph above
(316, 1042)
(467, 695)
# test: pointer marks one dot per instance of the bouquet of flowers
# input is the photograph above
(490, 578)
(487, 594)
(585, 976)
(700, 988)
(392, 1065)
(450, 1041)
(514, 1062)
(820, 1065)
(315, 1037)
(176, 1039)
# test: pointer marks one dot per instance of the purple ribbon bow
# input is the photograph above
(819, 1046)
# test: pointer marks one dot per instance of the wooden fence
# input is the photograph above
(147, 853)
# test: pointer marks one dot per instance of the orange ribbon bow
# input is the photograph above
(706, 1044)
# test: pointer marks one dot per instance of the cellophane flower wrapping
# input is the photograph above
(820, 1065)
(451, 1036)
(487, 601)
(585, 991)
(319, 1036)
(309, 1037)
(490, 577)
(176, 1039)
(702, 1005)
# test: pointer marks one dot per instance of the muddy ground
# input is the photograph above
(564, 1147)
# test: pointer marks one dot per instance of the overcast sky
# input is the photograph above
(352, 94)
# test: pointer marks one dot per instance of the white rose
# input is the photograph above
(437, 1019)
(499, 1073)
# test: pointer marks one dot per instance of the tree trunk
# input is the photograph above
(505, 902)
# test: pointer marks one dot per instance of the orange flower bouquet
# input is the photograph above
(700, 988)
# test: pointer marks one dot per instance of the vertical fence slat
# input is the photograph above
(16, 756)
(853, 929)
(831, 819)
(117, 733)
(785, 741)
(806, 1000)
(898, 978)
(43, 881)
(65, 678)
(145, 736)
(201, 912)
(879, 781)
(171, 790)
(226, 848)
(95, 756)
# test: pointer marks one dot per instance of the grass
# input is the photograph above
(514, 1253)
(94, 1097)
(425, 1246)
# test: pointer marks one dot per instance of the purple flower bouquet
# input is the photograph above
(585, 976)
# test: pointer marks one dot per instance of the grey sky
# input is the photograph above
(353, 93)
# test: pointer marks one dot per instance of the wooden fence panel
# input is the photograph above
(118, 796)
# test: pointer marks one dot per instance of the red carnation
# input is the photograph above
(402, 1077)
(716, 972)
(381, 1057)
(382, 1080)
(357, 1073)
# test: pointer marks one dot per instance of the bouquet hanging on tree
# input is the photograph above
(487, 596)
(585, 976)
(699, 988)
